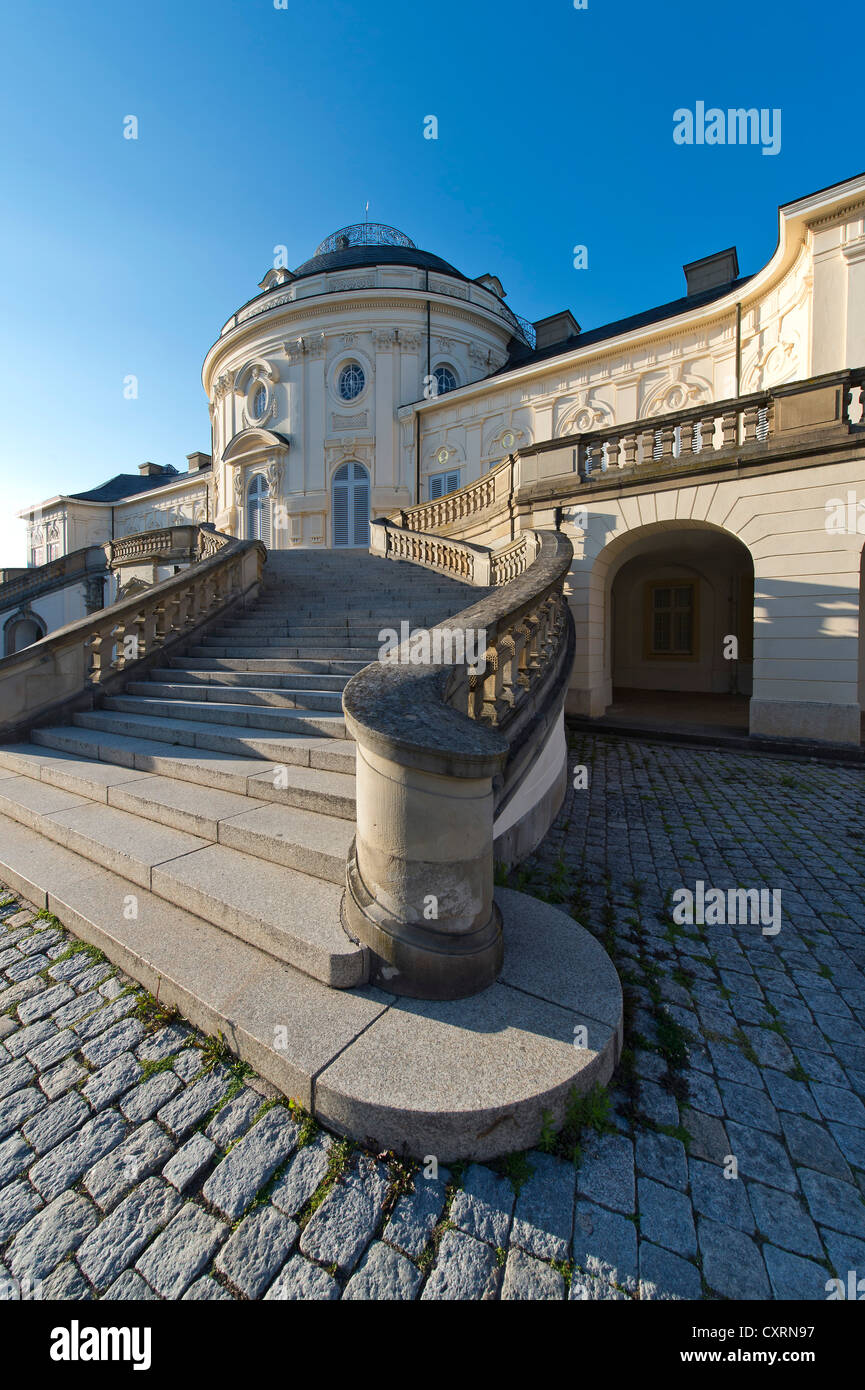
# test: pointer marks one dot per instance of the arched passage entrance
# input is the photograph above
(350, 505)
(21, 630)
(681, 605)
(654, 605)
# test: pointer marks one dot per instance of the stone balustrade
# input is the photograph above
(492, 490)
(73, 667)
(75, 566)
(459, 560)
(441, 749)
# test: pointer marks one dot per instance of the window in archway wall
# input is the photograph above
(671, 620)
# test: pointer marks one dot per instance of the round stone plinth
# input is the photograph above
(473, 1078)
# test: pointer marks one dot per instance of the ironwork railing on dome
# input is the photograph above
(364, 234)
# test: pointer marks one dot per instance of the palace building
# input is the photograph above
(377, 376)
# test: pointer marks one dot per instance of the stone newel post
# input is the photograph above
(419, 888)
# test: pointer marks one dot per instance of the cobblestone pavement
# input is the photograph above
(138, 1161)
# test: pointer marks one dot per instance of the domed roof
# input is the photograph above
(371, 243)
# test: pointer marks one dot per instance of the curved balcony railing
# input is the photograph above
(444, 742)
(86, 564)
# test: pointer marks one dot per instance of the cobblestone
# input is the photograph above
(114, 1204)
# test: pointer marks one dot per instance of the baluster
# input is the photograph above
(175, 613)
(613, 453)
(629, 442)
(730, 428)
(160, 622)
(492, 687)
(750, 416)
(666, 444)
(647, 441)
(707, 434)
(508, 663)
(118, 633)
(95, 644)
(140, 624)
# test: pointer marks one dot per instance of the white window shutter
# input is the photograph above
(340, 514)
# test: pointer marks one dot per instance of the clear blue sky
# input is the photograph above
(260, 126)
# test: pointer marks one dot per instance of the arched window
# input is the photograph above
(350, 511)
(351, 381)
(446, 379)
(258, 509)
(259, 401)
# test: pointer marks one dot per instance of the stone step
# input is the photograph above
(288, 626)
(282, 911)
(334, 755)
(362, 609)
(277, 680)
(277, 697)
(258, 651)
(315, 843)
(69, 752)
(469, 1079)
(218, 982)
(315, 669)
(317, 648)
(329, 724)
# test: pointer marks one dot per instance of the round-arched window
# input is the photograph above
(259, 401)
(445, 380)
(351, 381)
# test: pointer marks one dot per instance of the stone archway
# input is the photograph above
(710, 560)
(22, 630)
(680, 623)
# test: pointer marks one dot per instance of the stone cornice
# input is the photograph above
(385, 299)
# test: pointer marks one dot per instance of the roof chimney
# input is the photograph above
(713, 272)
(556, 328)
(198, 461)
(156, 470)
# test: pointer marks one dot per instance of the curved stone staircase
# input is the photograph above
(224, 783)
(196, 827)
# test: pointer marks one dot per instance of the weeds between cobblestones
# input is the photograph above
(140, 1159)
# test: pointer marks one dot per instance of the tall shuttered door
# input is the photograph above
(258, 510)
(351, 505)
